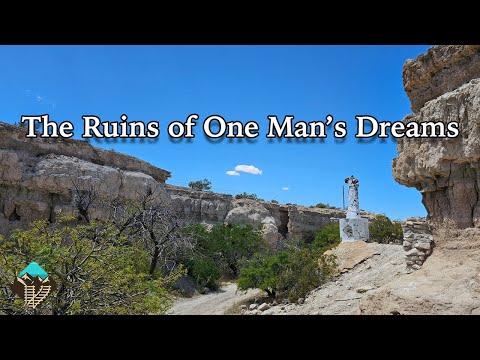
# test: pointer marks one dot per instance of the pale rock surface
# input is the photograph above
(440, 70)
(443, 85)
(350, 254)
(276, 221)
(379, 265)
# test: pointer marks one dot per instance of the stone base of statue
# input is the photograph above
(354, 229)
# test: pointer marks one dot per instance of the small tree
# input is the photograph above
(326, 238)
(152, 222)
(228, 246)
(97, 270)
(201, 185)
(245, 195)
(383, 230)
(291, 273)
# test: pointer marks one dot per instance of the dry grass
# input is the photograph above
(235, 309)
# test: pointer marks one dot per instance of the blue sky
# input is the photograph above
(241, 83)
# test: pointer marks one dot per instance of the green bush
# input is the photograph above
(201, 185)
(97, 271)
(327, 238)
(204, 271)
(292, 273)
(263, 272)
(322, 206)
(245, 195)
(224, 246)
(383, 230)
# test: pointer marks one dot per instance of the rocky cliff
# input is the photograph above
(443, 85)
(39, 179)
(277, 221)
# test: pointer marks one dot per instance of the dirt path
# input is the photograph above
(211, 304)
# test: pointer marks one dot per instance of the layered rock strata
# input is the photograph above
(39, 179)
(443, 86)
(277, 221)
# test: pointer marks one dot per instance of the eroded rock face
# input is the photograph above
(445, 170)
(38, 177)
(276, 221)
(440, 70)
(443, 85)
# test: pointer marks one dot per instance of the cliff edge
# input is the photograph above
(443, 85)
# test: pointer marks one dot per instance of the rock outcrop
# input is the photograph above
(277, 221)
(439, 71)
(443, 85)
(40, 177)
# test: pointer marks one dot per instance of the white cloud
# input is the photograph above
(232, 173)
(285, 188)
(40, 98)
(250, 169)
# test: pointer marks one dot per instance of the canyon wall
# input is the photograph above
(443, 86)
(39, 179)
(277, 221)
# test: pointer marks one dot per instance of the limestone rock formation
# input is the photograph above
(441, 70)
(276, 221)
(443, 85)
(38, 177)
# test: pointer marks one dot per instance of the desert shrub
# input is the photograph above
(383, 230)
(201, 185)
(322, 206)
(226, 247)
(232, 243)
(274, 201)
(326, 238)
(204, 271)
(97, 270)
(245, 195)
(291, 273)
(262, 272)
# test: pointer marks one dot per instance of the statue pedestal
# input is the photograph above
(354, 229)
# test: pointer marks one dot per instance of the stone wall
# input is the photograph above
(417, 242)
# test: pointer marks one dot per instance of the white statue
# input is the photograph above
(353, 211)
(353, 227)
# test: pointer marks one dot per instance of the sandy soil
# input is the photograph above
(212, 304)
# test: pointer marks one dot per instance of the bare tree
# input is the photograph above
(84, 195)
(160, 230)
(152, 221)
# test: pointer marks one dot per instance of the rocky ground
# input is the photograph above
(371, 267)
